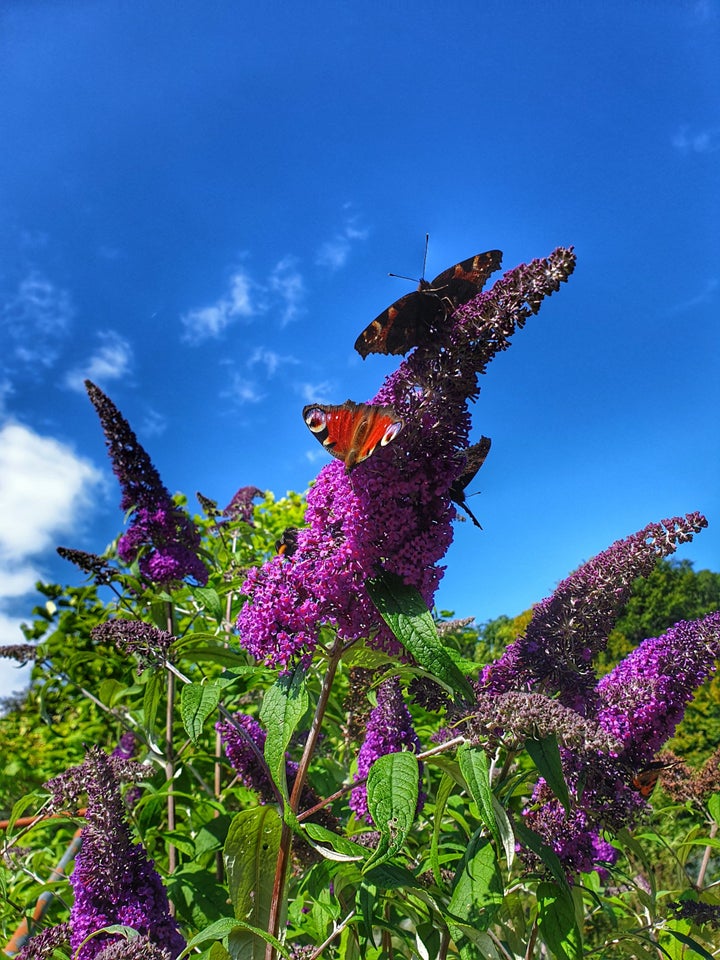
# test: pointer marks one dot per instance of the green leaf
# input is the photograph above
(197, 702)
(442, 796)
(556, 921)
(545, 755)
(405, 612)
(346, 849)
(392, 795)
(475, 767)
(156, 683)
(507, 837)
(691, 943)
(226, 927)
(478, 888)
(714, 807)
(210, 599)
(251, 852)
(284, 706)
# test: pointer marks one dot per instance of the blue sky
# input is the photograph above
(200, 203)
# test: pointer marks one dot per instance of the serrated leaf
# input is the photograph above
(478, 888)
(545, 754)
(406, 613)
(197, 702)
(392, 796)
(283, 707)
(556, 922)
(251, 851)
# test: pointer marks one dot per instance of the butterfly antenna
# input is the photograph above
(401, 277)
(427, 240)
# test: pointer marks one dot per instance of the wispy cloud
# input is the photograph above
(111, 361)
(46, 490)
(334, 252)
(269, 359)
(209, 322)
(697, 141)
(154, 424)
(242, 391)
(705, 295)
(287, 283)
(316, 392)
(36, 318)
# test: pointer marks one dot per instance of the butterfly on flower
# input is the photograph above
(475, 456)
(645, 780)
(351, 431)
(414, 318)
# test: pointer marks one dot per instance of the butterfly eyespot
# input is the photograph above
(392, 431)
(315, 418)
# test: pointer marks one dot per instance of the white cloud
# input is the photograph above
(45, 490)
(697, 141)
(316, 392)
(242, 390)
(111, 361)
(210, 322)
(270, 360)
(705, 295)
(334, 252)
(35, 317)
(287, 282)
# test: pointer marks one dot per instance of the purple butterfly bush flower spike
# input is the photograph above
(638, 704)
(160, 532)
(569, 628)
(389, 730)
(113, 880)
(395, 510)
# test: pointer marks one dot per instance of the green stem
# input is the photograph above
(283, 859)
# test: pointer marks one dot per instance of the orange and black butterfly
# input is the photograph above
(414, 318)
(645, 780)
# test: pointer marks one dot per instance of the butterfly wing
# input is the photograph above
(351, 431)
(475, 456)
(467, 278)
(412, 319)
(401, 326)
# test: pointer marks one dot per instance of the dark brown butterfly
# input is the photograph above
(475, 458)
(414, 318)
(352, 431)
(645, 780)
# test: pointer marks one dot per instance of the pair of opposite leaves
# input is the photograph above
(352, 431)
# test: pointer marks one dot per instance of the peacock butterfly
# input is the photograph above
(474, 459)
(351, 431)
(412, 319)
